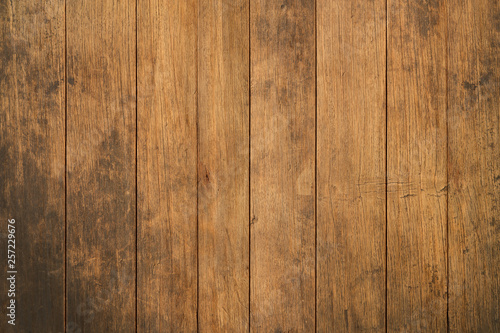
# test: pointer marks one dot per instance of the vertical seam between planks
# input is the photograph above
(249, 162)
(447, 184)
(197, 167)
(315, 166)
(65, 166)
(136, 166)
(386, 155)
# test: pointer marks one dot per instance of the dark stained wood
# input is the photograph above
(223, 169)
(282, 170)
(167, 154)
(351, 166)
(474, 165)
(416, 166)
(32, 161)
(101, 136)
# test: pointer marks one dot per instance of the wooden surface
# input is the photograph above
(416, 167)
(166, 167)
(251, 165)
(100, 166)
(32, 181)
(223, 166)
(282, 190)
(474, 165)
(351, 166)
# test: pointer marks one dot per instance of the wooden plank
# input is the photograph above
(223, 188)
(416, 166)
(167, 154)
(351, 166)
(474, 165)
(282, 268)
(32, 162)
(101, 166)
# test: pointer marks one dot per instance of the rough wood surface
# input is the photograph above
(101, 132)
(351, 166)
(282, 291)
(223, 189)
(167, 154)
(416, 166)
(32, 161)
(474, 165)
(251, 165)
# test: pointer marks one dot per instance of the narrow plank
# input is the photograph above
(351, 166)
(282, 170)
(416, 167)
(32, 161)
(167, 166)
(223, 189)
(474, 165)
(101, 166)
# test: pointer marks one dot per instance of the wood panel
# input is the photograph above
(351, 166)
(474, 165)
(32, 162)
(197, 139)
(167, 167)
(223, 166)
(416, 166)
(282, 168)
(101, 166)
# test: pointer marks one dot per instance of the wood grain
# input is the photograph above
(351, 166)
(32, 161)
(416, 167)
(101, 166)
(251, 165)
(282, 170)
(166, 174)
(223, 169)
(474, 165)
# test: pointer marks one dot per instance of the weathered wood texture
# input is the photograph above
(32, 161)
(186, 144)
(101, 132)
(474, 165)
(282, 170)
(223, 165)
(351, 166)
(416, 166)
(166, 174)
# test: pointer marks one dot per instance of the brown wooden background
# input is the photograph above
(251, 165)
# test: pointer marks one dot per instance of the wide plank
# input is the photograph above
(223, 169)
(474, 165)
(282, 166)
(351, 166)
(101, 133)
(416, 167)
(167, 166)
(32, 166)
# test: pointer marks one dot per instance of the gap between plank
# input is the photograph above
(386, 154)
(315, 166)
(447, 185)
(197, 167)
(65, 166)
(136, 173)
(249, 161)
